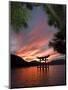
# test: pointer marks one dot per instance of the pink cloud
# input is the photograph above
(38, 39)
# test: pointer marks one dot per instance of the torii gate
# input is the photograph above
(43, 58)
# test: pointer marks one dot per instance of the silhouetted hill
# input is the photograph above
(34, 63)
(17, 61)
(57, 62)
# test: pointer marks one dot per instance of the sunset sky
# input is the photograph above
(32, 42)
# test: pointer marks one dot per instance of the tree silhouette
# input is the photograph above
(57, 17)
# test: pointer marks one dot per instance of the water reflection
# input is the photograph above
(38, 76)
(44, 68)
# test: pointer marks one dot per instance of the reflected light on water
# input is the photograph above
(35, 76)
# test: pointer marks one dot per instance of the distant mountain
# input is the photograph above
(57, 62)
(34, 62)
(17, 61)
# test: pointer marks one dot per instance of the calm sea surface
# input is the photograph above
(33, 76)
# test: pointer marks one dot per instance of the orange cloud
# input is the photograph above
(33, 54)
(38, 39)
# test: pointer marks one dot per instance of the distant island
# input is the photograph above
(16, 61)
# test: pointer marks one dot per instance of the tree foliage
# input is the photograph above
(20, 13)
(57, 17)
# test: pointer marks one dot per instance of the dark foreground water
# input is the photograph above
(33, 76)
